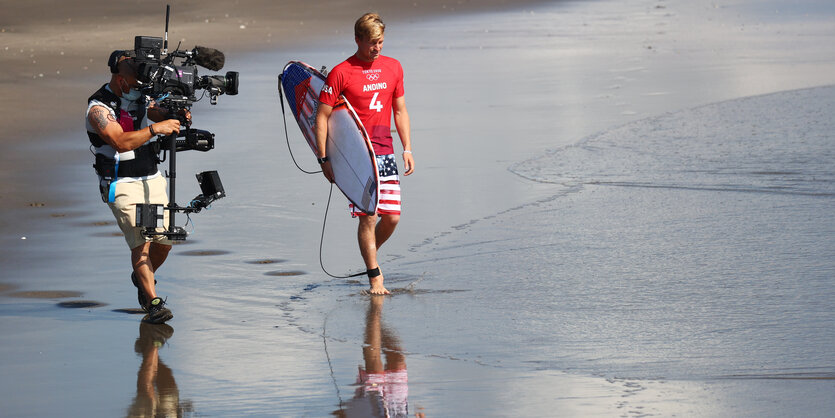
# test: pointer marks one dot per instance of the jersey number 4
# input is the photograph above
(376, 104)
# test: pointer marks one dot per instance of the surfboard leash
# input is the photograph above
(322, 241)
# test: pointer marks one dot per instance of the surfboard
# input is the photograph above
(348, 147)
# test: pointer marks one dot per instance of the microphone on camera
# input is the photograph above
(208, 58)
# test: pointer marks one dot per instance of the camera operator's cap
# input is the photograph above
(118, 56)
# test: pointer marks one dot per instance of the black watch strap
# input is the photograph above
(322, 160)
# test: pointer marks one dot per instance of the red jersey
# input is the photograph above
(371, 88)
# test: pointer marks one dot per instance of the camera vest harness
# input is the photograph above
(144, 162)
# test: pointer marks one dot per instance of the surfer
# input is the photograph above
(373, 84)
(382, 385)
(120, 135)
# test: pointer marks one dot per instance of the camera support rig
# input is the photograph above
(151, 217)
(174, 88)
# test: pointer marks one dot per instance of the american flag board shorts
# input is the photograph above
(389, 203)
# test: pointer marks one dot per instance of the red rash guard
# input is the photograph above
(371, 88)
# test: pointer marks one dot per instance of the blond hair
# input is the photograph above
(369, 27)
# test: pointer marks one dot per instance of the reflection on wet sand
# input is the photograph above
(46, 294)
(156, 390)
(382, 388)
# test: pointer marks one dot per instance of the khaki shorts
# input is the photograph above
(128, 194)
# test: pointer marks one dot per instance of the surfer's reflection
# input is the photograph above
(382, 387)
(156, 391)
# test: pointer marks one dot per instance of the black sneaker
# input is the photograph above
(152, 336)
(157, 312)
(140, 295)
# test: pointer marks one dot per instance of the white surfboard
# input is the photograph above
(348, 146)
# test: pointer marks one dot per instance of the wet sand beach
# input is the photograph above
(619, 209)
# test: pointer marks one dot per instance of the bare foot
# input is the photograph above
(377, 287)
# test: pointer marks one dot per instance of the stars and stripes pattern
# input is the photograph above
(389, 203)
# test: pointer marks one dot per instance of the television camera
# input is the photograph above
(171, 80)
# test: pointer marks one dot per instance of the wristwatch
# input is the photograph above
(322, 160)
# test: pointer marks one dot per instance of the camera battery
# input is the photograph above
(150, 216)
(147, 48)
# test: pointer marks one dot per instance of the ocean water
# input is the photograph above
(611, 216)
(692, 246)
(695, 244)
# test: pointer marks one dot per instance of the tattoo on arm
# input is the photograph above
(100, 117)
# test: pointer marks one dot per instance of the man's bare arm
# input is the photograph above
(404, 128)
(112, 133)
(100, 117)
(321, 131)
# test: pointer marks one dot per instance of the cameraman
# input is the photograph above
(126, 163)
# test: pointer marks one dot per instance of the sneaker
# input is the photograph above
(157, 312)
(140, 295)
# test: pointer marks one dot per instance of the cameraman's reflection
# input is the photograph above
(383, 388)
(156, 391)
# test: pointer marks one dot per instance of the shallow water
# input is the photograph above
(648, 267)
(657, 272)
(585, 234)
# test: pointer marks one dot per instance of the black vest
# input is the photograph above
(144, 162)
